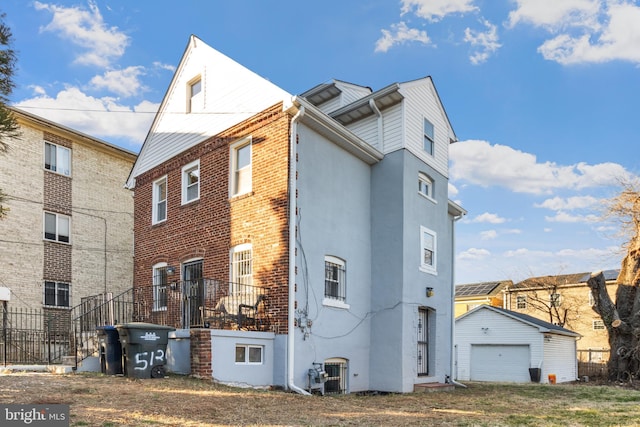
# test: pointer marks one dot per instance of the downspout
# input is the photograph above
(374, 107)
(453, 303)
(292, 257)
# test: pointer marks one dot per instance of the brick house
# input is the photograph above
(304, 241)
(68, 234)
(566, 300)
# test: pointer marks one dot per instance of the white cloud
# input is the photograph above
(474, 254)
(485, 43)
(400, 34)
(487, 217)
(86, 29)
(555, 14)
(488, 235)
(481, 163)
(122, 82)
(568, 218)
(435, 10)
(527, 253)
(453, 190)
(571, 203)
(100, 117)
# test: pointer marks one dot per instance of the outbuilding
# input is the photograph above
(494, 344)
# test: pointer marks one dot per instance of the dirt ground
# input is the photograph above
(100, 400)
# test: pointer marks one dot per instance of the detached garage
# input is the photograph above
(493, 344)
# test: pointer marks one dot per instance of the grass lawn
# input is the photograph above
(99, 400)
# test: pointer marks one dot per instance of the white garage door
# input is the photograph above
(505, 363)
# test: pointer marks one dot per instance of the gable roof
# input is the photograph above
(541, 325)
(231, 93)
(561, 280)
(481, 289)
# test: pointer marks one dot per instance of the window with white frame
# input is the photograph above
(428, 247)
(425, 185)
(521, 302)
(241, 167)
(597, 324)
(195, 101)
(57, 158)
(160, 286)
(57, 294)
(56, 227)
(428, 137)
(191, 182)
(335, 278)
(241, 268)
(336, 370)
(160, 200)
(249, 354)
(555, 299)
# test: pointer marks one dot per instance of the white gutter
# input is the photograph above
(376, 110)
(292, 257)
(453, 302)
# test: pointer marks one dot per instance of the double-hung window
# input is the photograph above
(195, 95)
(425, 186)
(521, 302)
(57, 294)
(160, 286)
(428, 246)
(335, 279)
(428, 137)
(598, 324)
(56, 227)
(241, 167)
(555, 299)
(57, 158)
(191, 182)
(160, 200)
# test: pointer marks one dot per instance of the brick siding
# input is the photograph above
(200, 348)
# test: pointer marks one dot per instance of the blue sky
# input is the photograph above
(543, 95)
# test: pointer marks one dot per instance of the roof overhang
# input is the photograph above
(384, 98)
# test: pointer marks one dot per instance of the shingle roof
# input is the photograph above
(562, 279)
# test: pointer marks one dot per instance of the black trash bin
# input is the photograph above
(144, 349)
(110, 350)
(534, 373)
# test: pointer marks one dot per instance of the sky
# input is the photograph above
(543, 95)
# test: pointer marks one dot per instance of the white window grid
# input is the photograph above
(428, 137)
(428, 250)
(57, 227)
(241, 167)
(247, 354)
(57, 158)
(160, 200)
(191, 182)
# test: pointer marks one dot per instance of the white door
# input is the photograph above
(500, 363)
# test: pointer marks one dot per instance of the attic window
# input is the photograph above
(196, 96)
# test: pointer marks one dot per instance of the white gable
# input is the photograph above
(230, 94)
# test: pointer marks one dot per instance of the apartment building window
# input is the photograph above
(425, 186)
(57, 158)
(241, 167)
(160, 200)
(57, 294)
(428, 246)
(598, 324)
(56, 227)
(428, 137)
(555, 300)
(195, 101)
(160, 286)
(521, 302)
(191, 182)
(335, 278)
(336, 370)
(241, 268)
(249, 354)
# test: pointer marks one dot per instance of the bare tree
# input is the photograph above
(622, 318)
(8, 123)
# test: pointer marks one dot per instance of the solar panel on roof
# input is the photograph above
(475, 289)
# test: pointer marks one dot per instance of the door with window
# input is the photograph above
(193, 291)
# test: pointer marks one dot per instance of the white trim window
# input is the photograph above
(428, 250)
(428, 136)
(241, 167)
(335, 279)
(598, 324)
(57, 227)
(160, 286)
(249, 354)
(425, 186)
(191, 182)
(159, 200)
(57, 158)
(241, 268)
(57, 294)
(555, 299)
(195, 94)
(521, 302)
(336, 369)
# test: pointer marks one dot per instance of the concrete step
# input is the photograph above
(432, 387)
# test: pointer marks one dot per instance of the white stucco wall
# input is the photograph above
(223, 364)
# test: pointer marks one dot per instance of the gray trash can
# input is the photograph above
(144, 349)
(110, 350)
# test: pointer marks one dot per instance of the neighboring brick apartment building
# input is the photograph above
(332, 204)
(69, 231)
(568, 298)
